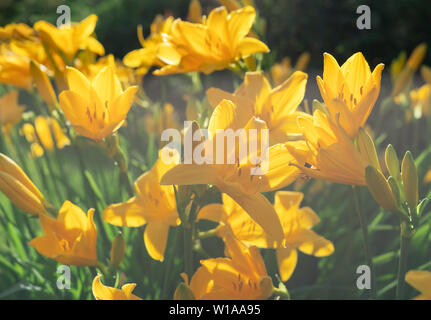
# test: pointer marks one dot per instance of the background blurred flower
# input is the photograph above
(10, 111)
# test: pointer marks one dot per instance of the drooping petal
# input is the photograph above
(156, 237)
(287, 259)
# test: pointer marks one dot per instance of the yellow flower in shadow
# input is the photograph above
(98, 108)
(211, 45)
(154, 206)
(420, 280)
(70, 38)
(296, 222)
(70, 239)
(350, 90)
(240, 276)
(276, 106)
(10, 111)
(102, 292)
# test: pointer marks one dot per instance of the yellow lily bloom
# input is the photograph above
(96, 109)
(69, 39)
(240, 276)
(10, 111)
(70, 239)
(18, 187)
(330, 154)
(102, 292)
(213, 45)
(420, 280)
(296, 222)
(44, 135)
(276, 106)
(350, 90)
(236, 178)
(146, 57)
(154, 205)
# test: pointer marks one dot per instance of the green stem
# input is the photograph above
(366, 244)
(402, 262)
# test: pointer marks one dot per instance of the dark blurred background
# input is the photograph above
(293, 26)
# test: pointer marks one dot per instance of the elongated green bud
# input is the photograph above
(117, 251)
(409, 176)
(392, 162)
(367, 148)
(380, 189)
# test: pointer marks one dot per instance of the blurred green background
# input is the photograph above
(293, 26)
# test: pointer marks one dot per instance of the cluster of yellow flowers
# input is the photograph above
(91, 97)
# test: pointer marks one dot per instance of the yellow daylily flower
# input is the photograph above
(330, 154)
(98, 108)
(213, 45)
(236, 178)
(240, 276)
(146, 57)
(69, 39)
(70, 239)
(18, 187)
(10, 111)
(154, 206)
(102, 292)
(276, 106)
(420, 280)
(350, 90)
(296, 222)
(44, 135)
